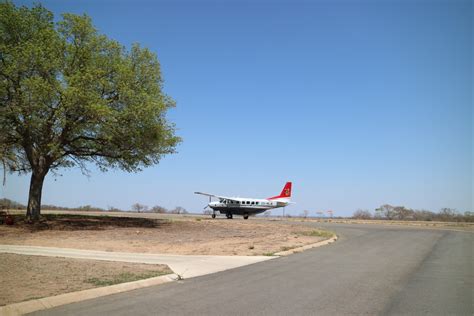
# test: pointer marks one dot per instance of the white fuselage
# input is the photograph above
(246, 205)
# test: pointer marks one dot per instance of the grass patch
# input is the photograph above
(318, 233)
(268, 254)
(124, 277)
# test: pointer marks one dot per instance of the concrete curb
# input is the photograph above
(63, 299)
(306, 247)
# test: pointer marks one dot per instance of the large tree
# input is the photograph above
(70, 96)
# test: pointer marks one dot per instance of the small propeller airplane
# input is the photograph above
(247, 206)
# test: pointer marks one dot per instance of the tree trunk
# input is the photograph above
(34, 198)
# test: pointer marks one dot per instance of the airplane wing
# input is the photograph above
(216, 196)
(208, 194)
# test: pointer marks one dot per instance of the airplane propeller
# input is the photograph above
(205, 207)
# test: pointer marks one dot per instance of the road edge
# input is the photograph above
(306, 247)
(26, 307)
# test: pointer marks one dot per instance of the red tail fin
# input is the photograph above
(285, 193)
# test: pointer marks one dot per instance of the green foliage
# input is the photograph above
(69, 95)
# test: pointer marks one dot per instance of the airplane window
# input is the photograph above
(256, 203)
(248, 202)
(253, 203)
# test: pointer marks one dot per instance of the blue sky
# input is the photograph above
(359, 103)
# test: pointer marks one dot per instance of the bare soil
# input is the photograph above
(159, 234)
(32, 277)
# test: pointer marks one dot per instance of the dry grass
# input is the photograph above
(32, 277)
(318, 233)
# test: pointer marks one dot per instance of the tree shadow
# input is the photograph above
(70, 222)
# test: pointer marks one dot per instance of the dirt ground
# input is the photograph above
(32, 277)
(171, 235)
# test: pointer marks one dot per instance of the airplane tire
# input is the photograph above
(213, 215)
(246, 217)
(229, 215)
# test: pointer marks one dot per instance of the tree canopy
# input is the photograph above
(71, 96)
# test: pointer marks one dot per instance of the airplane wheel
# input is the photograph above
(213, 215)
(246, 217)
(229, 215)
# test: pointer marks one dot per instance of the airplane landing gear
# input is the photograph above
(229, 215)
(246, 216)
(213, 215)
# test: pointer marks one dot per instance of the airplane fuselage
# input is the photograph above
(242, 206)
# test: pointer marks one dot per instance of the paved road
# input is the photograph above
(370, 270)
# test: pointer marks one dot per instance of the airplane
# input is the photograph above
(247, 206)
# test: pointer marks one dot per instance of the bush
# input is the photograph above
(179, 210)
(362, 214)
(158, 209)
(12, 205)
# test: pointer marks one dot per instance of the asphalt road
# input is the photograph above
(371, 269)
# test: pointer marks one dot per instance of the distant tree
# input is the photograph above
(362, 214)
(179, 210)
(402, 213)
(423, 215)
(447, 214)
(137, 207)
(70, 96)
(469, 216)
(385, 211)
(113, 209)
(9, 204)
(305, 214)
(158, 209)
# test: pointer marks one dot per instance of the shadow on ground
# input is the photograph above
(68, 222)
